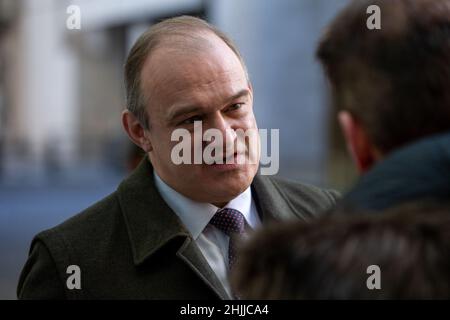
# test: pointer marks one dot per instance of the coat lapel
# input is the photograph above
(191, 255)
(151, 224)
(270, 203)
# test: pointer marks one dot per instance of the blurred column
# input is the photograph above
(45, 91)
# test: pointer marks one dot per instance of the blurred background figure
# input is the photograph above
(61, 96)
(391, 89)
(330, 258)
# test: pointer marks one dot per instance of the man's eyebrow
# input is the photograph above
(240, 94)
(174, 114)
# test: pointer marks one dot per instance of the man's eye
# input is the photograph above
(235, 106)
(191, 120)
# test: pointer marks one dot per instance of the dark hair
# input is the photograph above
(328, 258)
(396, 80)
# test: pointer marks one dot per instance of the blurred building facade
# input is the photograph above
(65, 87)
(62, 90)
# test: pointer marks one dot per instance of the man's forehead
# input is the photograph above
(181, 60)
(170, 71)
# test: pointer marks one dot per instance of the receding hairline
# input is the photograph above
(184, 32)
(174, 49)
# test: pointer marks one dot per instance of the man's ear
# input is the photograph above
(136, 132)
(359, 145)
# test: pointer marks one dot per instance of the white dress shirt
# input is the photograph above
(212, 242)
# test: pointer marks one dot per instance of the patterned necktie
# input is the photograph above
(232, 223)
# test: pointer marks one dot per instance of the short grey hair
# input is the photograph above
(182, 26)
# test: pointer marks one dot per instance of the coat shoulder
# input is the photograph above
(307, 198)
(80, 240)
(90, 224)
(86, 238)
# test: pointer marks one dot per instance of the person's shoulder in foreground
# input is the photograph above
(418, 171)
(400, 254)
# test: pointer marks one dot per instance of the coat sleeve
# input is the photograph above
(39, 278)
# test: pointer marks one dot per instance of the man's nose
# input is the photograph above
(225, 127)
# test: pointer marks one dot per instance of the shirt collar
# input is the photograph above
(196, 215)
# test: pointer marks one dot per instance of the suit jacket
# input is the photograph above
(131, 245)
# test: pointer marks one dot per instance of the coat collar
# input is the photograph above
(151, 224)
(270, 201)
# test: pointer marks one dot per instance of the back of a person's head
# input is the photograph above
(394, 80)
(329, 258)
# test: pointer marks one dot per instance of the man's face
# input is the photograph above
(209, 85)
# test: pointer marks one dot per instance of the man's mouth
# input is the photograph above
(230, 162)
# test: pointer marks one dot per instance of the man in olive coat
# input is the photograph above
(171, 229)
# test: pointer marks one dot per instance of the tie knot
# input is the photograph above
(229, 221)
